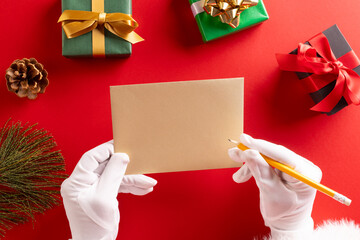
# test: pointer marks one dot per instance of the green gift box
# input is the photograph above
(212, 28)
(81, 46)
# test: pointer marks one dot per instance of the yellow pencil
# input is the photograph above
(288, 170)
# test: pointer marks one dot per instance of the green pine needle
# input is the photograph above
(31, 172)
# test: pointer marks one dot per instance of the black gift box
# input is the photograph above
(339, 47)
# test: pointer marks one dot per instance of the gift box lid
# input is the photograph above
(212, 28)
(82, 45)
(320, 86)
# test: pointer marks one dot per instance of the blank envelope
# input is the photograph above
(177, 126)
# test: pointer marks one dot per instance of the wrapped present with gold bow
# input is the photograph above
(218, 18)
(97, 28)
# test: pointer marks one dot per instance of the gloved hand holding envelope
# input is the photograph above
(177, 126)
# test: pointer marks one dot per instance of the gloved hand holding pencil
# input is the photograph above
(285, 202)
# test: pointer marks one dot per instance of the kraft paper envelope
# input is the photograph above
(177, 126)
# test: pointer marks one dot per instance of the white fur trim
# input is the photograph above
(332, 230)
(343, 229)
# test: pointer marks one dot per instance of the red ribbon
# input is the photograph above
(325, 69)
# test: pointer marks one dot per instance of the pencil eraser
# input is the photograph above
(347, 202)
(341, 198)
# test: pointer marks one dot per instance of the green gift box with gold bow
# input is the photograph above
(97, 28)
(218, 18)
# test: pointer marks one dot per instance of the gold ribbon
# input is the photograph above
(76, 23)
(228, 10)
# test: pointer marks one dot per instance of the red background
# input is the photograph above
(200, 204)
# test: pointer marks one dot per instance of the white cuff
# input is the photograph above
(304, 233)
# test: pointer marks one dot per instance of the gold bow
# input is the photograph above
(76, 23)
(228, 10)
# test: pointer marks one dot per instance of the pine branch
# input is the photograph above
(31, 173)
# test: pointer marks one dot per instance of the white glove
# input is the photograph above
(89, 194)
(285, 202)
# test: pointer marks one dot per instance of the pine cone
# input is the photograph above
(26, 77)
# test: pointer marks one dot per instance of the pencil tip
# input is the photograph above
(233, 141)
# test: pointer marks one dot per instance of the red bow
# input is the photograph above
(325, 69)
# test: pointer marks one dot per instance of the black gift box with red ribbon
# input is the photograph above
(328, 68)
